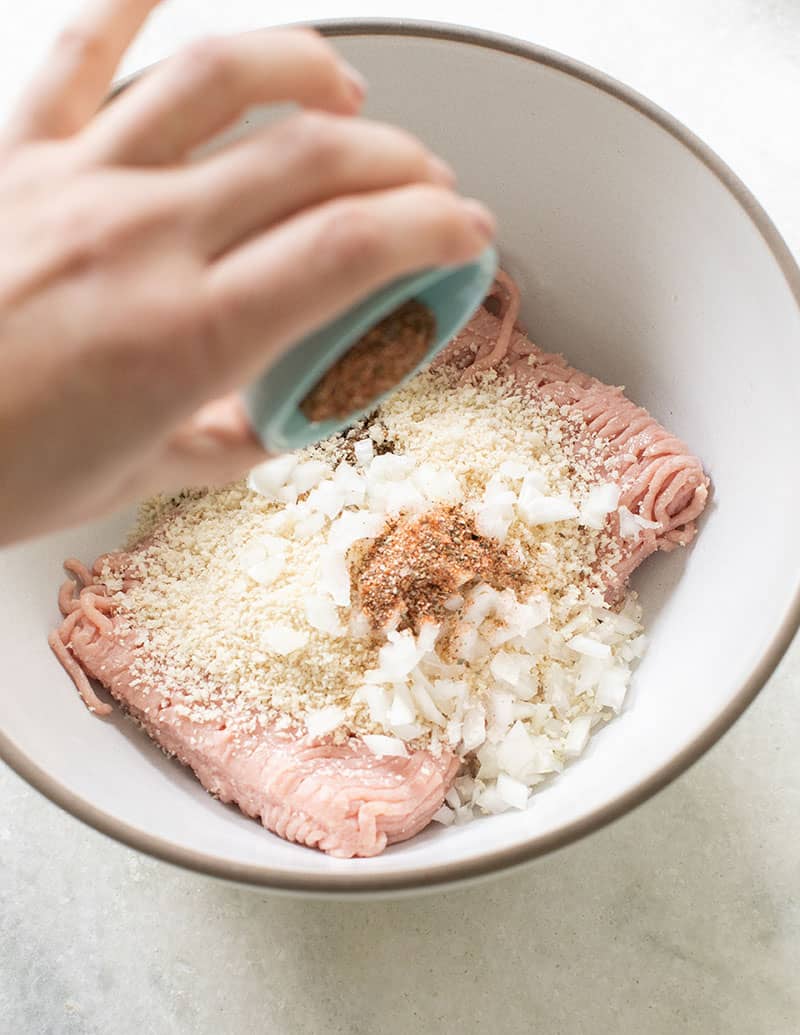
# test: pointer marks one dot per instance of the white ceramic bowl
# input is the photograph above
(645, 260)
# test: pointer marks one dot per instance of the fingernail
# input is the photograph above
(442, 172)
(481, 217)
(358, 84)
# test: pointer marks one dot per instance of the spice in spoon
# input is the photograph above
(376, 363)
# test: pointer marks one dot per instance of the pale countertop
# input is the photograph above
(682, 917)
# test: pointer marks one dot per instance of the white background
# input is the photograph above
(683, 917)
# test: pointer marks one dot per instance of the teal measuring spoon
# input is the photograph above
(273, 401)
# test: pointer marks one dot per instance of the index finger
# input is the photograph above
(74, 80)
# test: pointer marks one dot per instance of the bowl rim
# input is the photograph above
(502, 859)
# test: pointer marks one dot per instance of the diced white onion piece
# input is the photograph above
(513, 792)
(437, 484)
(453, 603)
(601, 501)
(309, 474)
(324, 720)
(444, 815)
(408, 731)
(587, 645)
(402, 710)
(612, 688)
(351, 484)
(403, 497)
(493, 520)
(502, 707)
(266, 571)
(424, 702)
(377, 700)
(310, 526)
(327, 498)
(490, 801)
(471, 645)
(453, 798)
(473, 728)
(270, 476)
(381, 745)
(353, 525)
(631, 525)
(512, 469)
(428, 635)
(388, 467)
(516, 753)
(365, 451)
(453, 732)
(323, 615)
(547, 510)
(482, 602)
(287, 495)
(487, 756)
(578, 736)
(334, 578)
(533, 485)
(508, 666)
(284, 639)
(395, 659)
(447, 692)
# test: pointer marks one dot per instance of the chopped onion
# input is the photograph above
(309, 474)
(381, 745)
(586, 645)
(437, 484)
(444, 815)
(578, 736)
(490, 801)
(508, 666)
(547, 510)
(365, 451)
(512, 469)
(322, 614)
(473, 729)
(516, 753)
(351, 484)
(402, 710)
(284, 639)
(334, 578)
(353, 525)
(376, 699)
(601, 501)
(328, 498)
(272, 475)
(631, 525)
(388, 467)
(324, 720)
(612, 688)
(424, 702)
(513, 792)
(266, 571)
(309, 526)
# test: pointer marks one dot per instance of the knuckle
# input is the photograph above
(209, 58)
(350, 238)
(444, 216)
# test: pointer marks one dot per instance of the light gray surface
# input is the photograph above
(682, 917)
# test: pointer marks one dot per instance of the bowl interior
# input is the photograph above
(639, 263)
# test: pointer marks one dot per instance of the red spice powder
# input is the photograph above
(421, 561)
(377, 362)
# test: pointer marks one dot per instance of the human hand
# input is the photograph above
(139, 290)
